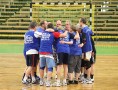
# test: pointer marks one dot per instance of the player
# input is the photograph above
(31, 51)
(46, 57)
(86, 49)
(63, 50)
(75, 56)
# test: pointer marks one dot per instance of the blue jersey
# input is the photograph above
(30, 41)
(74, 48)
(62, 47)
(87, 46)
(47, 40)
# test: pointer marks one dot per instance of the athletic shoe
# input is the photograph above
(37, 77)
(83, 81)
(70, 82)
(25, 82)
(56, 84)
(81, 78)
(48, 84)
(88, 81)
(35, 82)
(41, 82)
(75, 82)
(64, 83)
(29, 79)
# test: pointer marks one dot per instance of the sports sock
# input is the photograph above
(33, 78)
(92, 76)
(64, 80)
(25, 78)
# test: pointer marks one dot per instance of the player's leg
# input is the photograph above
(24, 73)
(46, 71)
(71, 66)
(93, 58)
(35, 68)
(59, 68)
(25, 68)
(77, 68)
(50, 64)
(81, 78)
(34, 65)
(29, 68)
(55, 58)
(88, 67)
(41, 71)
(65, 67)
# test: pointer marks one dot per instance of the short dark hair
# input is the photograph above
(83, 20)
(50, 25)
(32, 25)
(42, 22)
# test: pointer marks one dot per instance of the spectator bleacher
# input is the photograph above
(15, 17)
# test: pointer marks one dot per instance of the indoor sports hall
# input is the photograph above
(102, 18)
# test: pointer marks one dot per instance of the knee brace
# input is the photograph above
(42, 68)
(88, 65)
(50, 69)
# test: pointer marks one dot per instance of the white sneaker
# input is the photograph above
(89, 81)
(25, 82)
(41, 82)
(83, 81)
(64, 83)
(56, 84)
(81, 78)
(48, 84)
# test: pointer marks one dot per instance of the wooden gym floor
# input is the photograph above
(12, 67)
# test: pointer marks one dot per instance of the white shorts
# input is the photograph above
(87, 55)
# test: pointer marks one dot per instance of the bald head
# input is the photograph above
(58, 23)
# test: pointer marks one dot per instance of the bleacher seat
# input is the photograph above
(15, 17)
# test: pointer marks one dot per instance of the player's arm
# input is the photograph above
(63, 34)
(37, 34)
(50, 30)
(65, 42)
(82, 40)
(58, 35)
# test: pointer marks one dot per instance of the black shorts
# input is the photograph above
(62, 58)
(74, 63)
(32, 60)
(93, 59)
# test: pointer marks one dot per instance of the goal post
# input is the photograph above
(62, 11)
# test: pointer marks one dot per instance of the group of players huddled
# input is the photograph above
(69, 48)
